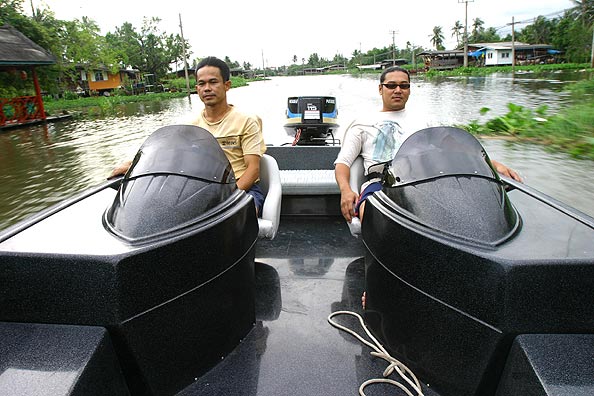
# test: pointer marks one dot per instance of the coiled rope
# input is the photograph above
(379, 351)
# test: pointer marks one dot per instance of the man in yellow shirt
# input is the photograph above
(239, 135)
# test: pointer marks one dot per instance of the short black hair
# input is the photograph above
(393, 69)
(215, 62)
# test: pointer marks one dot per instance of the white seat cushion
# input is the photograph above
(309, 182)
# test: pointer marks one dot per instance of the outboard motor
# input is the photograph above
(311, 120)
(179, 176)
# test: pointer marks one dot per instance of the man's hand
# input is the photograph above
(120, 169)
(347, 204)
(505, 171)
(347, 196)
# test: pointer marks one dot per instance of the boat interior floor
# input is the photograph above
(312, 268)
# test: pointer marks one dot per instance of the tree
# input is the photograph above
(43, 29)
(540, 32)
(437, 38)
(457, 30)
(153, 43)
(82, 44)
(489, 35)
(410, 52)
(125, 43)
(573, 37)
(339, 60)
(314, 60)
(477, 28)
(294, 58)
(176, 48)
(583, 11)
(230, 63)
(149, 50)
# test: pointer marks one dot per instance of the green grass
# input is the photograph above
(482, 71)
(107, 105)
(570, 131)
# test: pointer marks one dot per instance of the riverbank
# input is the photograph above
(570, 131)
(106, 105)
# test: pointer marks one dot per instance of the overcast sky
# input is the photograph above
(272, 32)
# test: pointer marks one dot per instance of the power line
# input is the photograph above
(532, 20)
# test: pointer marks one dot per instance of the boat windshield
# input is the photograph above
(436, 152)
(184, 150)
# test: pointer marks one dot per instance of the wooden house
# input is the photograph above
(442, 60)
(100, 80)
(20, 56)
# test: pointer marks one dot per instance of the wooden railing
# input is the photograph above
(20, 110)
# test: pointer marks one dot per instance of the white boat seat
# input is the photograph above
(270, 183)
(309, 182)
(356, 180)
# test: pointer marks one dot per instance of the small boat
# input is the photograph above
(164, 282)
(312, 120)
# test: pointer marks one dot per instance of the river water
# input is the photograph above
(42, 165)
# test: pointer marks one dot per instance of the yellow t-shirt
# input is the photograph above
(238, 134)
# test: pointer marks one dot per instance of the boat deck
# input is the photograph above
(312, 268)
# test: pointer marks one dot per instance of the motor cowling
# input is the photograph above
(442, 178)
(179, 176)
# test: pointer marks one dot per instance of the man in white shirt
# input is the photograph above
(377, 140)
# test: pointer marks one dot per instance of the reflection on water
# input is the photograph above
(42, 165)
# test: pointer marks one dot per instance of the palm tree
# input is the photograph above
(477, 27)
(542, 30)
(437, 38)
(457, 31)
(584, 11)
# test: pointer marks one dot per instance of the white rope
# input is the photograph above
(379, 351)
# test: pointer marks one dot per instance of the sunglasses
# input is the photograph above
(394, 85)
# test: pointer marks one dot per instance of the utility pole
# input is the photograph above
(393, 47)
(465, 30)
(181, 29)
(263, 66)
(513, 45)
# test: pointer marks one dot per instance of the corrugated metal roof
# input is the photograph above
(17, 50)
